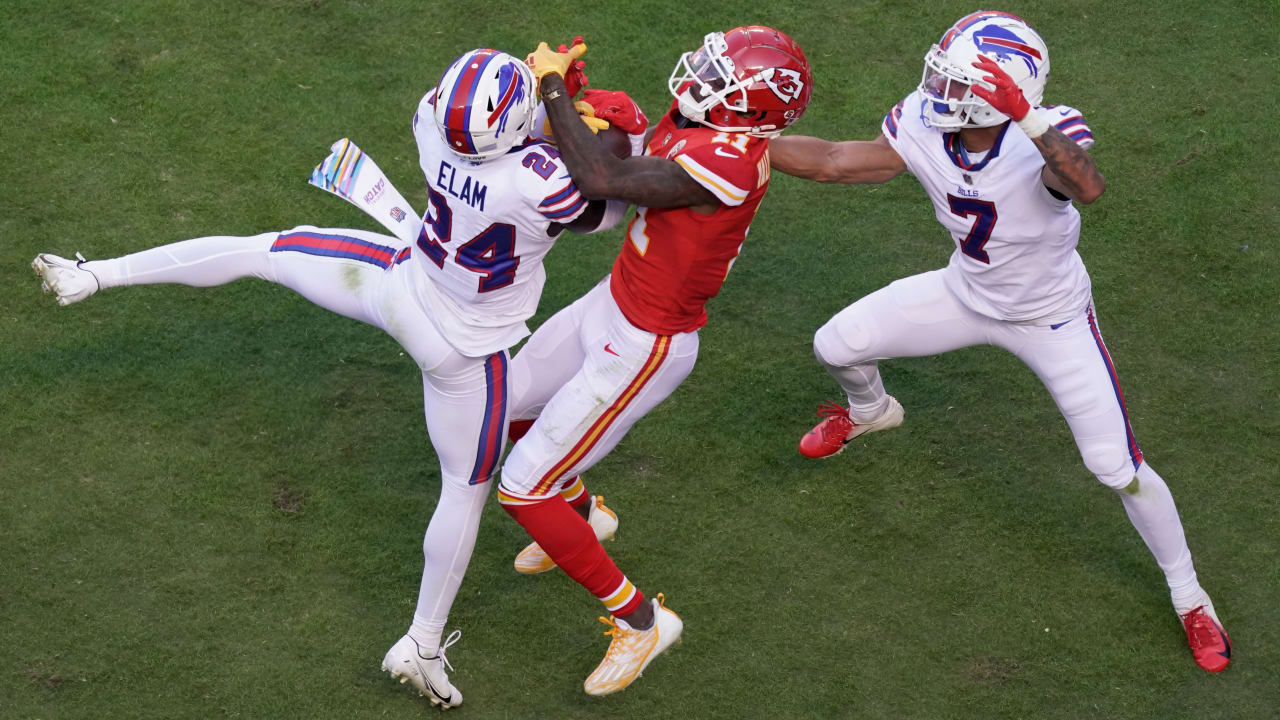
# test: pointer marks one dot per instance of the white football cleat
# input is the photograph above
(631, 650)
(405, 661)
(65, 278)
(533, 560)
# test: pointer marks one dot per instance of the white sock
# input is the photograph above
(862, 385)
(202, 262)
(1153, 513)
(446, 548)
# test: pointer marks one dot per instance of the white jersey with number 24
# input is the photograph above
(485, 233)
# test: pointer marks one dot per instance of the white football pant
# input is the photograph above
(588, 375)
(364, 276)
(918, 316)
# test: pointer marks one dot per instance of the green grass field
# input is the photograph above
(212, 501)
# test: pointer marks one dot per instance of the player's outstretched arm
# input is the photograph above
(645, 181)
(852, 161)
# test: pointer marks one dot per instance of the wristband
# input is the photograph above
(1033, 124)
(549, 96)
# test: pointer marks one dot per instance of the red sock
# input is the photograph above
(575, 493)
(571, 542)
(518, 429)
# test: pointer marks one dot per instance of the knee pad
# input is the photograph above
(837, 344)
(1111, 463)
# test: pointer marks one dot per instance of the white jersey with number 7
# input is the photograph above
(1015, 256)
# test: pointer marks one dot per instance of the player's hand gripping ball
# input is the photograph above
(618, 108)
(587, 114)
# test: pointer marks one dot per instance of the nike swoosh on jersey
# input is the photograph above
(609, 349)
(721, 153)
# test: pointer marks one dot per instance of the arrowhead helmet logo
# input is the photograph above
(784, 82)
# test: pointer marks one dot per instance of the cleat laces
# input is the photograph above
(1201, 631)
(453, 638)
(624, 639)
(836, 423)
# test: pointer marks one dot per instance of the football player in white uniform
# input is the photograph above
(1002, 172)
(456, 299)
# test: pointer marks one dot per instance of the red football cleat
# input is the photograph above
(829, 437)
(1209, 643)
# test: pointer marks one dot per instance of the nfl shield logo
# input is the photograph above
(397, 213)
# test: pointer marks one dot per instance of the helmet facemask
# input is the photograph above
(951, 104)
(704, 79)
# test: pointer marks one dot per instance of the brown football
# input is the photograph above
(615, 141)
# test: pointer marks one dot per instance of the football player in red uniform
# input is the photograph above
(596, 367)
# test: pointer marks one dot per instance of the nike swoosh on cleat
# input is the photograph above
(1226, 643)
(432, 688)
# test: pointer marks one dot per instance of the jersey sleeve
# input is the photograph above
(728, 170)
(424, 118)
(543, 182)
(562, 205)
(1070, 121)
(902, 129)
(892, 121)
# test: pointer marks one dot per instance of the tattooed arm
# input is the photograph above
(645, 181)
(1068, 168)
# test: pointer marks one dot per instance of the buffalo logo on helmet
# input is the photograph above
(784, 82)
(1005, 45)
(511, 84)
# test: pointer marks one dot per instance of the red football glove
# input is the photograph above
(619, 109)
(574, 78)
(1007, 98)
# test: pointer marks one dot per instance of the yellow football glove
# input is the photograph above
(545, 60)
(586, 113)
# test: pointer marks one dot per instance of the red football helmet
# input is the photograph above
(752, 79)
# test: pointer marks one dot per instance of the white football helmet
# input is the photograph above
(949, 72)
(484, 104)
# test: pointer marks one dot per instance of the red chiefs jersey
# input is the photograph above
(673, 259)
